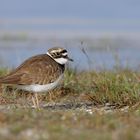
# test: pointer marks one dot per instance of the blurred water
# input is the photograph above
(13, 53)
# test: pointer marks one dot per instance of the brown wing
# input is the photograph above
(40, 69)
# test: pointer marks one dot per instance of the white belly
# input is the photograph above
(41, 88)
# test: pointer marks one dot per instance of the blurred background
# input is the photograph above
(98, 34)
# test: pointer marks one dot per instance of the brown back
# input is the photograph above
(40, 69)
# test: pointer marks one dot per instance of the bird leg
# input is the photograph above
(35, 101)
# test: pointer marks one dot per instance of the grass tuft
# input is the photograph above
(99, 105)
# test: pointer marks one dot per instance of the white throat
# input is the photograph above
(61, 60)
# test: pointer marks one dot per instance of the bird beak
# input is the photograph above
(69, 59)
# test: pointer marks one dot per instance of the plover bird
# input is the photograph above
(40, 73)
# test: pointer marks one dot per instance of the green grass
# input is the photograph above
(114, 87)
(119, 89)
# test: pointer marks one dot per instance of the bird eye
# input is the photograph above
(63, 51)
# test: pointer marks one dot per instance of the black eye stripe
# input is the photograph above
(63, 51)
(61, 54)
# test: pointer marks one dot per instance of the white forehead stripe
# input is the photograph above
(56, 50)
(53, 51)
